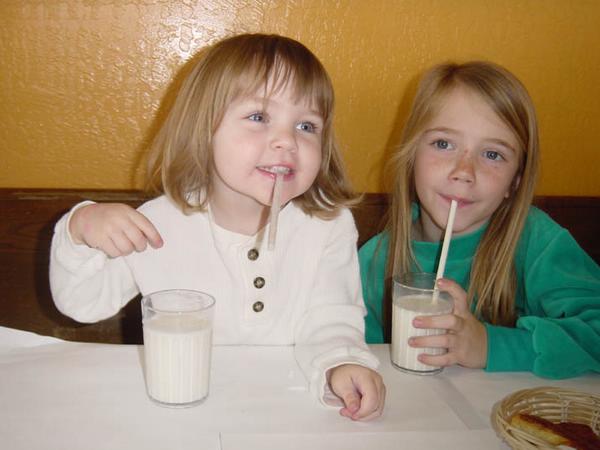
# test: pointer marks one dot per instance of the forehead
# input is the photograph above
(281, 81)
(466, 112)
(285, 95)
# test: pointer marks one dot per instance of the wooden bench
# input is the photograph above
(26, 226)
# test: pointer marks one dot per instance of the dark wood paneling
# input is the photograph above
(579, 215)
(28, 218)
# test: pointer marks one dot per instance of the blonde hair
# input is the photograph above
(180, 159)
(492, 278)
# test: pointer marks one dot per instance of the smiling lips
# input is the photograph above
(275, 170)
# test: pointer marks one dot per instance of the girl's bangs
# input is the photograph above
(271, 77)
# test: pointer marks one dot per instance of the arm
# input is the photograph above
(86, 284)
(331, 331)
(558, 332)
(372, 258)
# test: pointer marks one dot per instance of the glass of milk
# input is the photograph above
(177, 346)
(413, 296)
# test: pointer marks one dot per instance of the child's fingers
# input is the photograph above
(444, 322)
(373, 397)
(116, 245)
(135, 234)
(371, 405)
(445, 360)
(438, 341)
(375, 414)
(352, 401)
(108, 246)
(361, 390)
(368, 404)
(148, 229)
(136, 237)
(458, 294)
(125, 245)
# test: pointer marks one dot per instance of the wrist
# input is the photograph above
(74, 223)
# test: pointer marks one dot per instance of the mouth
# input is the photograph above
(459, 200)
(276, 170)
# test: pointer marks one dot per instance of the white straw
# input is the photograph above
(275, 207)
(445, 245)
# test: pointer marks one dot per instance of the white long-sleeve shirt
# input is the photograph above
(308, 286)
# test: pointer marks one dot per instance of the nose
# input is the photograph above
(464, 168)
(284, 139)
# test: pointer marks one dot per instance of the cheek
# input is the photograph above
(310, 173)
(220, 162)
(312, 156)
(503, 181)
(424, 169)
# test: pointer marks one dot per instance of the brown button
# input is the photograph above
(253, 254)
(259, 282)
(258, 306)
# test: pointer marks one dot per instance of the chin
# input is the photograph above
(466, 229)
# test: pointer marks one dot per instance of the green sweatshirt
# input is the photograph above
(557, 334)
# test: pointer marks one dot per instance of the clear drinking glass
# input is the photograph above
(177, 346)
(413, 296)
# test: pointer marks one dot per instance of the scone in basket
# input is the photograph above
(550, 403)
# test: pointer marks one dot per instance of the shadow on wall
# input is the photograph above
(384, 173)
(139, 167)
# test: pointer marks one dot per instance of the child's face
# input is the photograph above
(468, 154)
(256, 136)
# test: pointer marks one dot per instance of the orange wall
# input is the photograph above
(81, 81)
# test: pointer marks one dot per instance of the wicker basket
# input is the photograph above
(554, 404)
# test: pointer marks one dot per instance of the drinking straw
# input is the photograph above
(445, 245)
(275, 205)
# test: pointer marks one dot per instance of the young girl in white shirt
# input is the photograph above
(253, 105)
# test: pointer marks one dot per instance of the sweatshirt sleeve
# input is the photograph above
(86, 284)
(372, 258)
(331, 331)
(557, 333)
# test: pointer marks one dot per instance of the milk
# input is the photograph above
(405, 309)
(177, 353)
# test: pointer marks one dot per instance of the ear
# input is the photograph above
(513, 186)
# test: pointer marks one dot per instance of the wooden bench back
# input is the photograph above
(26, 227)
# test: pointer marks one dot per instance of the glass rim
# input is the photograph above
(198, 296)
(404, 278)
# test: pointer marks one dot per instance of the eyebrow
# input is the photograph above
(501, 142)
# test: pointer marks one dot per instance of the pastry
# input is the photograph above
(575, 435)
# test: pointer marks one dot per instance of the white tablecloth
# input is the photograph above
(59, 395)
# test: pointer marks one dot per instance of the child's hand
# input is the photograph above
(466, 339)
(114, 228)
(360, 388)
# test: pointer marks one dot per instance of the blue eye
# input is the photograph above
(493, 155)
(257, 117)
(307, 126)
(442, 144)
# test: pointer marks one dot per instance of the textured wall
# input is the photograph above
(82, 81)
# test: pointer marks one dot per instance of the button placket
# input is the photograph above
(257, 265)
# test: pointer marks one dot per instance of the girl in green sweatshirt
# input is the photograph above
(526, 296)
